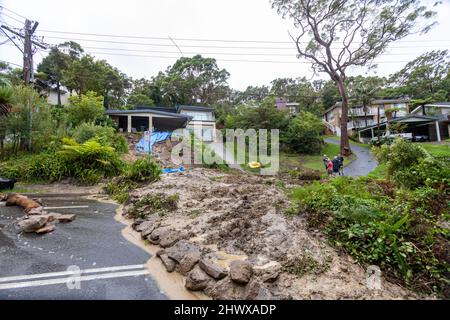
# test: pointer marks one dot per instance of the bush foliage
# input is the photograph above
(88, 162)
(400, 230)
(104, 135)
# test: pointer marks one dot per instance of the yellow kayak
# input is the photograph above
(254, 165)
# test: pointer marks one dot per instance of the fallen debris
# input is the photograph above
(36, 219)
(229, 235)
(27, 204)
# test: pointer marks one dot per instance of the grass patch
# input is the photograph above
(313, 162)
(441, 149)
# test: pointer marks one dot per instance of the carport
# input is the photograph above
(147, 120)
(417, 125)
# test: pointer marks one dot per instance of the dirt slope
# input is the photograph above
(240, 216)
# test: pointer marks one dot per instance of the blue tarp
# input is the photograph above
(145, 146)
(170, 170)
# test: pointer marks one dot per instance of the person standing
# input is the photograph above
(336, 165)
(341, 164)
(325, 161)
(330, 168)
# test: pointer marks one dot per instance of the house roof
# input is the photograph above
(194, 108)
(157, 108)
(406, 119)
(385, 101)
(438, 104)
(146, 111)
(433, 105)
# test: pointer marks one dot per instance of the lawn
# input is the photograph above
(289, 160)
(437, 149)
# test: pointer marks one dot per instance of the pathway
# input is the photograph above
(364, 163)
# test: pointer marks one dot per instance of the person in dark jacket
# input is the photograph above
(341, 164)
(336, 165)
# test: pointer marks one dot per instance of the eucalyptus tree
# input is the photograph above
(335, 35)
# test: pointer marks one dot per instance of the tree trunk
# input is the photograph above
(378, 123)
(365, 115)
(345, 143)
(58, 90)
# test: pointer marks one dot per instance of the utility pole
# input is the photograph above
(27, 51)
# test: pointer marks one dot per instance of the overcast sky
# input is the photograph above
(192, 19)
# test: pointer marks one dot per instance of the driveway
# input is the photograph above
(362, 165)
(41, 266)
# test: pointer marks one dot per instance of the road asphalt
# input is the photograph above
(85, 259)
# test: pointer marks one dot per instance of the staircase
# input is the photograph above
(335, 130)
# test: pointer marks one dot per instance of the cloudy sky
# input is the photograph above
(147, 27)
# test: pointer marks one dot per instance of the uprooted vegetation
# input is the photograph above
(143, 170)
(403, 231)
(158, 203)
(222, 218)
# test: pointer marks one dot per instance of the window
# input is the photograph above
(198, 115)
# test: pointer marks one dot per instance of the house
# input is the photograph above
(198, 119)
(293, 108)
(203, 121)
(147, 119)
(360, 117)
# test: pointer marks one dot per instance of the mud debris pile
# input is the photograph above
(231, 237)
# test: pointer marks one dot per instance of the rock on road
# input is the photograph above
(36, 266)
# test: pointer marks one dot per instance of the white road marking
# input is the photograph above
(65, 207)
(16, 285)
(69, 273)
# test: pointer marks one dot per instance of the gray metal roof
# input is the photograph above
(404, 119)
(438, 104)
(144, 111)
(194, 108)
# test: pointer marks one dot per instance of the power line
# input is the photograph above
(230, 60)
(212, 46)
(200, 39)
(220, 53)
(10, 17)
(13, 12)
(14, 64)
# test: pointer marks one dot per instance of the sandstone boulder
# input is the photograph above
(226, 289)
(189, 261)
(48, 227)
(197, 279)
(255, 290)
(212, 268)
(180, 249)
(268, 272)
(32, 223)
(170, 237)
(241, 271)
(168, 263)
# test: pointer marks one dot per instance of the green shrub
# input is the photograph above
(88, 162)
(85, 108)
(411, 166)
(303, 134)
(400, 155)
(104, 135)
(119, 188)
(144, 170)
(401, 231)
(431, 171)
